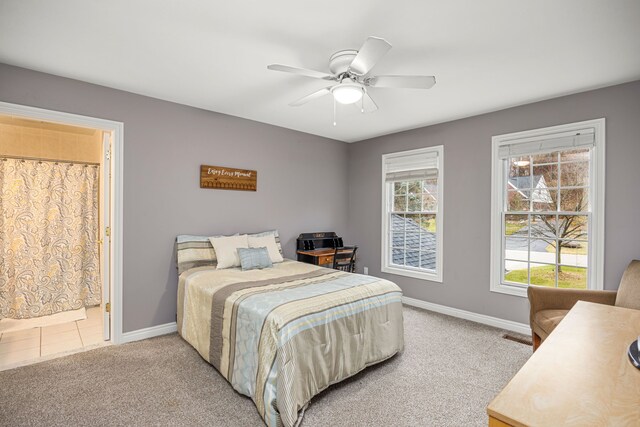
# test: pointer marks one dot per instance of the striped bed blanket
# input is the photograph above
(284, 334)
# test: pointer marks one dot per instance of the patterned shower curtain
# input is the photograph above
(49, 260)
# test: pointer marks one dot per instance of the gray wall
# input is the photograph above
(467, 174)
(164, 145)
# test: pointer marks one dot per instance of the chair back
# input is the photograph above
(344, 258)
(629, 290)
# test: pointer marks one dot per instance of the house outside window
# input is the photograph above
(547, 208)
(412, 213)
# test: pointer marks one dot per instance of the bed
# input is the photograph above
(282, 335)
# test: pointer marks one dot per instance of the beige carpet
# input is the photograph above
(446, 376)
(12, 325)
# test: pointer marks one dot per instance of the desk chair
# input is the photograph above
(344, 258)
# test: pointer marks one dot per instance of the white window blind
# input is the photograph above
(411, 167)
(548, 143)
(414, 175)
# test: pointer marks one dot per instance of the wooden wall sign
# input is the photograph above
(222, 178)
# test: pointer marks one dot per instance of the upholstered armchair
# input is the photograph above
(550, 305)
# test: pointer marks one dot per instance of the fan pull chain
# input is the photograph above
(362, 102)
(334, 112)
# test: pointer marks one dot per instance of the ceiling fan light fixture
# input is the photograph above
(347, 93)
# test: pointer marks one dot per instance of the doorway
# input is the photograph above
(60, 250)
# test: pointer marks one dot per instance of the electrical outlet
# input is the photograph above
(366, 270)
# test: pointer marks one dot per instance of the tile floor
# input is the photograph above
(32, 345)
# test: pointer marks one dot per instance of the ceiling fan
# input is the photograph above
(350, 69)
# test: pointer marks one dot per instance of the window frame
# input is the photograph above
(387, 207)
(596, 199)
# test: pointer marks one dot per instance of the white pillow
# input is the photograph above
(268, 242)
(226, 248)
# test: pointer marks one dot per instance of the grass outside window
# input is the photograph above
(568, 277)
(513, 227)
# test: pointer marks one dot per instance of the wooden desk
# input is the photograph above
(317, 256)
(580, 375)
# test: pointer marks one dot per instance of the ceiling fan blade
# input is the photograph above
(369, 54)
(368, 104)
(311, 97)
(409, 82)
(301, 71)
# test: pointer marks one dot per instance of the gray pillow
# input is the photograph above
(254, 258)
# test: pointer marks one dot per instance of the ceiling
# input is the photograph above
(486, 55)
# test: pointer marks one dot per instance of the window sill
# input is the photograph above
(432, 277)
(519, 291)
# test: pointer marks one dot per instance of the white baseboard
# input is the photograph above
(151, 332)
(496, 322)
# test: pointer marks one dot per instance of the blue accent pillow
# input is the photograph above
(254, 258)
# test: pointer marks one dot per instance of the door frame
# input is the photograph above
(117, 186)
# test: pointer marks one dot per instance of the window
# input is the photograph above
(412, 213)
(548, 211)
